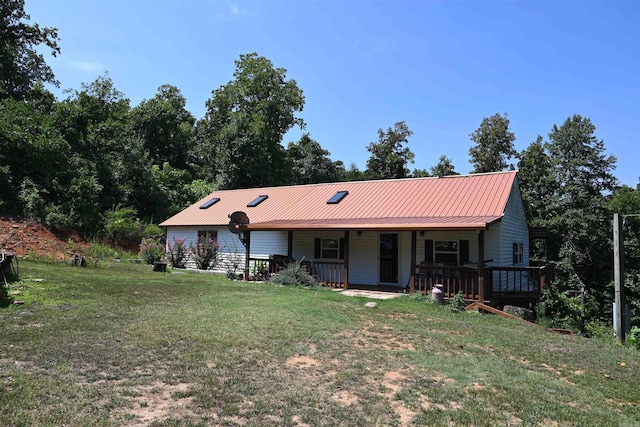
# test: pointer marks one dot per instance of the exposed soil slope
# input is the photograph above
(23, 238)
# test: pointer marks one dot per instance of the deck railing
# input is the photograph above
(330, 273)
(499, 282)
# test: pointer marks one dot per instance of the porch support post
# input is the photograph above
(346, 259)
(481, 265)
(290, 244)
(247, 245)
(412, 276)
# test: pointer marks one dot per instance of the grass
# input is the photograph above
(119, 344)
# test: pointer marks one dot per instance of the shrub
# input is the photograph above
(151, 250)
(152, 230)
(458, 302)
(205, 254)
(178, 253)
(560, 309)
(295, 274)
(122, 227)
(633, 337)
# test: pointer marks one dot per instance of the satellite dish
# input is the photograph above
(236, 220)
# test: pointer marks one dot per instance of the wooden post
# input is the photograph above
(618, 276)
(481, 265)
(247, 244)
(346, 259)
(412, 276)
(290, 244)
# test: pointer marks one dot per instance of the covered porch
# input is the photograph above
(408, 265)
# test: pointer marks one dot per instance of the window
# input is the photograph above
(328, 248)
(518, 252)
(335, 199)
(446, 251)
(210, 203)
(207, 234)
(255, 202)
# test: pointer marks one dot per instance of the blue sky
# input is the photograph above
(441, 66)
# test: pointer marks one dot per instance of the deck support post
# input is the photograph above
(412, 276)
(481, 265)
(247, 244)
(346, 259)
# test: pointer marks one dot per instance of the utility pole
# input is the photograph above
(618, 276)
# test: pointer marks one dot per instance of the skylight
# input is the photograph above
(257, 201)
(337, 197)
(210, 203)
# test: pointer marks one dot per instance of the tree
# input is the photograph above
(626, 201)
(165, 127)
(389, 157)
(245, 122)
(493, 145)
(536, 182)
(581, 224)
(21, 65)
(444, 167)
(310, 162)
(420, 173)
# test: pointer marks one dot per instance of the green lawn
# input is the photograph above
(122, 345)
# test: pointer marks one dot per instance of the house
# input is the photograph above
(467, 233)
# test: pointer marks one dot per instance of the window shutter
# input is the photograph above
(428, 251)
(341, 255)
(316, 252)
(464, 251)
(515, 253)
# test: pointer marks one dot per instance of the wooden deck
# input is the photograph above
(501, 284)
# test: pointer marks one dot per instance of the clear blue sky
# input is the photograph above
(441, 66)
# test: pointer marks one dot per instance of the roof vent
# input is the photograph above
(255, 202)
(210, 203)
(337, 197)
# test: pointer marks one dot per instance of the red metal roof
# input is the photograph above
(456, 202)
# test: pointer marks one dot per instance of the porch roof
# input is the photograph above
(455, 202)
(426, 223)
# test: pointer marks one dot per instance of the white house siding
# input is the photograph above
(304, 244)
(513, 229)
(231, 255)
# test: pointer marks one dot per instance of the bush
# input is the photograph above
(458, 302)
(122, 227)
(561, 310)
(295, 274)
(178, 253)
(205, 254)
(633, 337)
(151, 250)
(153, 230)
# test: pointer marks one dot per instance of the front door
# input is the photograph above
(389, 258)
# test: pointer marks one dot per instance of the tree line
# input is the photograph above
(91, 161)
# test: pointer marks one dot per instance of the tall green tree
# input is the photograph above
(444, 167)
(537, 182)
(626, 201)
(310, 162)
(493, 145)
(95, 123)
(21, 64)
(389, 155)
(581, 222)
(166, 127)
(241, 135)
